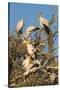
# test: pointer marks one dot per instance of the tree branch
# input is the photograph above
(56, 32)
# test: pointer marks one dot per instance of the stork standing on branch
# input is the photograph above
(19, 27)
(31, 29)
(44, 23)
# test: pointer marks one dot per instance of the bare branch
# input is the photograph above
(16, 78)
(53, 20)
(56, 67)
(56, 32)
(54, 49)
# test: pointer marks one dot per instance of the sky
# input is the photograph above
(29, 12)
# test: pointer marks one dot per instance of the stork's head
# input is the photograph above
(40, 14)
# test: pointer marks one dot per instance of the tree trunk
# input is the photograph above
(50, 42)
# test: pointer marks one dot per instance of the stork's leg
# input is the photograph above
(33, 69)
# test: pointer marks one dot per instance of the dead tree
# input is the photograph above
(50, 42)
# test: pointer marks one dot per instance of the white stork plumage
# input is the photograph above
(30, 48)
(44, 23)
(30, 29)
(19, 26)
(28, 65)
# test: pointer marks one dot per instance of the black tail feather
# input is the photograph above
(37, 28)
(46, 28)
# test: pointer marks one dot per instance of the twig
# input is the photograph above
(54, 49)
(35, 35)
(53, 20)
(45, 62)
(56, 32)
(46, 71)
(16, 78)
(52, 67)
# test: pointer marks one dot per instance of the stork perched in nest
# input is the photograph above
(31, 50)
(30, 61)
(44, 23)
(30, 65)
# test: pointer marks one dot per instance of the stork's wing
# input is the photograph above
(19, 25)
(30, 28)
(47, 29)
(45, 21)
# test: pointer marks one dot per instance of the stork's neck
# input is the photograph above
(28, 43)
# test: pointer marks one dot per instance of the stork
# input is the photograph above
(30, 48)
(19, 26)
(30, 29)
(29, 65)
(44, 23)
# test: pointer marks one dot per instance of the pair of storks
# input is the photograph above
(43, 23)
